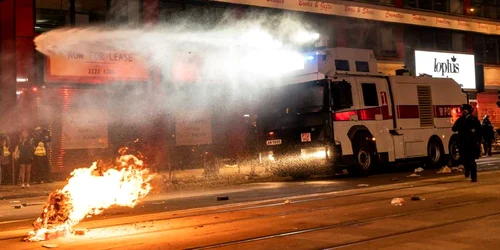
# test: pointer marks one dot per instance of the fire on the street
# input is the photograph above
(89, 191)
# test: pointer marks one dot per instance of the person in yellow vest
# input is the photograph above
(42, 138)
(5, 156)
(24, 155)
(40, 150)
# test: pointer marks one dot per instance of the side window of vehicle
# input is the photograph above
(362, 66)
(370, 96)
(341, 95)
(342, 65)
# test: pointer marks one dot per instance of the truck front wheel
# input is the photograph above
(365, 159)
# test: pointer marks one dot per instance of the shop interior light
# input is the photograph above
(21, 79)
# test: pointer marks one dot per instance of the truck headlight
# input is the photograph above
(270, 156)
(313, 153)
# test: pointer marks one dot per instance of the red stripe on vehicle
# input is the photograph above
(385, 113)
(344, 116)
(408, 111)
(403, 111)
(367, 114)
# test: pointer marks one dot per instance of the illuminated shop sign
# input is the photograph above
(96, 67)
(459, 67)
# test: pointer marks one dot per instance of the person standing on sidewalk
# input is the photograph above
(469, 139)
(42, 138)
(24, 155)
(5, 155)
(488, 134)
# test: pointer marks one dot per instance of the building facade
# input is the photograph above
(393, 29)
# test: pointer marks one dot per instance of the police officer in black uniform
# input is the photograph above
(488, 134)
(469, 137)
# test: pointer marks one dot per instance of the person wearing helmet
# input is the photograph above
(488, 134)
(468, 128)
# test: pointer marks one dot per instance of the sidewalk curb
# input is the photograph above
(21, 196)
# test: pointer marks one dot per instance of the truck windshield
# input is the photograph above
(296, 98)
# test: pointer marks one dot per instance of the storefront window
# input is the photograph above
(426, 5)
(387, 41)
(491, 52)
(457, 42)
(456, 6)
(50, 15)
(490, 11)
(370, 36)
(428, 38)
(55, 14)
(485, 8)
(198, 12)
(410, 3)
(487, 106)
(387, 1)
(443, 40)
(380, 1)
(478, 43)
(431, 39)
(441, 5)
(486, 49)
(412, 36)
(437, 5)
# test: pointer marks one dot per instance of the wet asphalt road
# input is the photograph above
(15, 218)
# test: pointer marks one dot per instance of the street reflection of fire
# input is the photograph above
(89, 191)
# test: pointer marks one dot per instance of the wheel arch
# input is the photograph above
(357, 129)
(356, 134)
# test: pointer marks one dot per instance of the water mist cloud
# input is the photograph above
(233, 52)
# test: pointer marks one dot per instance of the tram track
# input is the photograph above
(355, 222)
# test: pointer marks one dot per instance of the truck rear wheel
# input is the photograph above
(454, 153)
(435, 153)
(365, 159)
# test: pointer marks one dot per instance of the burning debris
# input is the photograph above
(123, 184)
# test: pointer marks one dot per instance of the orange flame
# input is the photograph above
(89, 194)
